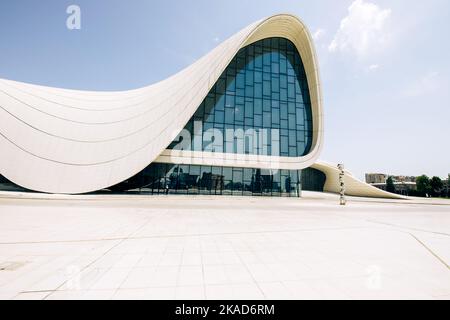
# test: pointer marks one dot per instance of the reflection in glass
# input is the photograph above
(264, 87)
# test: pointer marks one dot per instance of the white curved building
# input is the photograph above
(245, 119)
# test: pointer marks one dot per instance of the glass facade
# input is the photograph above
(161, 178)
(260, 105)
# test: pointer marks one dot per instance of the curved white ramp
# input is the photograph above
(353, 186)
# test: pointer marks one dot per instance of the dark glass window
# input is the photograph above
(159, 178)
(264, 87)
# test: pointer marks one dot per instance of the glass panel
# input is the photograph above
(194, 176)
(284, 146)
(275, 118)
(258, 122)
(229, 115)
(285, 183)
(205, 180)
(249, 109)
(184, 181)
(267, 182)
(267, 119)
(237, 181)
(239, 113)
(240, 80)
(295, 187)
(276, 183)
(171, 179)
(217, 180)
(258, 106)
(220, 102)
(249, 78)
(258, 90)
(248, 182)
(228, 181)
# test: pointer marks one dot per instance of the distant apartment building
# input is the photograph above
(403, 184)
(404, 179)
(372, 178)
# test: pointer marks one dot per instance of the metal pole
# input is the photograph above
(342, 200)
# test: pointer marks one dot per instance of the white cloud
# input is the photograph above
(318, 34)
(373, 67)
(216, 39)
(426, 85)
(363, 30)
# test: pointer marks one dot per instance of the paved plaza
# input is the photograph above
(179, 247)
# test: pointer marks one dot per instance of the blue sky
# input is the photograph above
(384, 64)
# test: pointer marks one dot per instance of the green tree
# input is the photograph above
(436, 186)
(390, 187)
(423, 185)
(447, 187)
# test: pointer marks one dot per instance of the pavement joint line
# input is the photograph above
(385, 223)
(185, 235)
(431, 251)
(36, 291)
(408, 228)
(203, 275)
